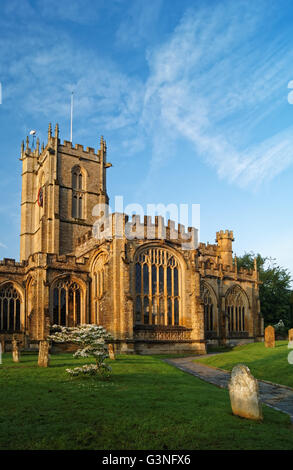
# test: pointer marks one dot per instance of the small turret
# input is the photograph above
(49, 132)
(56, 131)
(224, 241)
(38, 147)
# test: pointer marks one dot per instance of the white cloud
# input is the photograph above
(210, 84)
(138, 24)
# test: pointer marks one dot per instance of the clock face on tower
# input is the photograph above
(40, 197)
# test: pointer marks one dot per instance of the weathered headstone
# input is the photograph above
(111, 351)
(243, 390)
(15, 350)
(270, 337)
(44, 357)
(290, 335)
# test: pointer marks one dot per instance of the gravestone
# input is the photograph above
(243, 390)
(44, 357)
(111, 351)
(270, 337)
(15, 350)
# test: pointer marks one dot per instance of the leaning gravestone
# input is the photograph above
(44, 357)
(270, 337)
(111, 351)
(243, 390)
(15, 351)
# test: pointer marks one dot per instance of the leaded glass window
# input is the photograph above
(66, 303)
(235, 309)
(157, 285)
(10, 302)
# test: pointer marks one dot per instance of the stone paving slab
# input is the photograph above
(276, 396)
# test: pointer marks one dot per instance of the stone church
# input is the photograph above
(141, 283)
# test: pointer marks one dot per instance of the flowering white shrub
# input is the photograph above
(92, 341)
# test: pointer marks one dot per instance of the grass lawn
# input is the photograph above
(265, 363)
(147, 404)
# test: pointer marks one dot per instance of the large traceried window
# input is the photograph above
(157, 287)
(209, 309)
(77, 194)
(10, 302)
(235, 310)
(67, 303)
(99, 285)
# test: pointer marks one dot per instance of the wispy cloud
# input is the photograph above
(139, 23)
(3, 246)
(211, 85)
(207, 83)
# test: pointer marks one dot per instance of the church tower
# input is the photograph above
(61, 184)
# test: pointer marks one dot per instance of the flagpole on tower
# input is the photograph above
(71, 117)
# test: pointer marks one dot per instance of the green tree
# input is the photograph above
(276, 297)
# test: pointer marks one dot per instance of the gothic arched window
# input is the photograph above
(77, 180)
(235, 310)
(157, 285)
(77, 194)
(99, 285)
(67, 303)
(209, 310)
(10, 302)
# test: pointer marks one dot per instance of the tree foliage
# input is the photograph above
(276, 297)
(91, 340)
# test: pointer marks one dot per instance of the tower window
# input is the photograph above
(77, 194)
(77, 180)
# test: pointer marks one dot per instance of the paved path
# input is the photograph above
(273, 395)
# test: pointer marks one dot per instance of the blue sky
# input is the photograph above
(191, 96)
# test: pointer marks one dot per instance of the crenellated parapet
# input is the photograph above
(9, 262)
(54, 143)
(213, 268)
(52, 260)
(120, 225)
(225, 235)
(78, 150)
